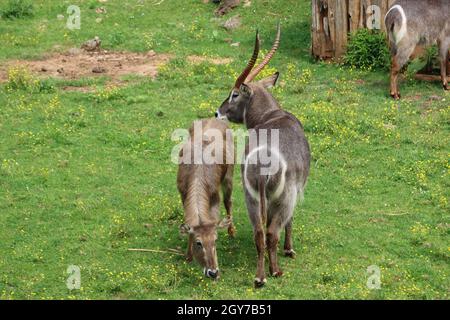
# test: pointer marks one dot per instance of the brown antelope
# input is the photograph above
(199, 184)
(270, 195)
(412, 23)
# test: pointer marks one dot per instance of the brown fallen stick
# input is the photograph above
(428, 77)
(157, 251)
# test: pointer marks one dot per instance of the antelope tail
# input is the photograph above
(396, 25)
(262, 200)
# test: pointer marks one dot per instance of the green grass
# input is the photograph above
(85, 176)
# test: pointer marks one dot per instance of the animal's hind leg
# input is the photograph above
(227, 189)
(395, 70)
(253, 209)
(444, 56)
(288, 247)
(273, 235)
(260, 278)
(398, 61)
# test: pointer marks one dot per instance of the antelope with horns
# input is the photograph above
(199, 184)
(270, 195)
(412, 23)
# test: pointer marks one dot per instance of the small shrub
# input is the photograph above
(367, 50)
(431, 60)
(107, 93)
(45, 86)
(16, 9)
(117, 38)
(19, 78)
(431, 53)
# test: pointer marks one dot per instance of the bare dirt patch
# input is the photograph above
(76, 64)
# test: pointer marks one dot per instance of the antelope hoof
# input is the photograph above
(232, 231)
(290, 253)
(446, 86)
(277, 274)
(396, 95)
(260, 283)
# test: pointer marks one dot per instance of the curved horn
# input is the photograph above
(267, 59)
(240, 80)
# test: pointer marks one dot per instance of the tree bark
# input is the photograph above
(332, 20)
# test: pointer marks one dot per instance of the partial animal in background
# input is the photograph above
(412, 23)
(199, 186)
(270, 196)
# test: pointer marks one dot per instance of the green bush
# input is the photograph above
(16, 9)
(117, 38)
(367, 50)
(431, 60)
(19, 78)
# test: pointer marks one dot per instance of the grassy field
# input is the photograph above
(85, 175)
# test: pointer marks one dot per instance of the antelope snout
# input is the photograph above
(212, 273)
(220, 116)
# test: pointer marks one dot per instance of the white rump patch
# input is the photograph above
(254, 193)
(403, 29)
(280, 186)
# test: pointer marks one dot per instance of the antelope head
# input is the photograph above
(236, 106)
(203, 241)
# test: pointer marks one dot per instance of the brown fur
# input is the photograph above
(199, 186)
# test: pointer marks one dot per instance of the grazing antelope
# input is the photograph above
(199, 185)
(412, 23)
(270, 195)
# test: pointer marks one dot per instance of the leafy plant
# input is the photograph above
(117, 38)
(367, 49)
(16, 9)
(431, 60)
(19, 78)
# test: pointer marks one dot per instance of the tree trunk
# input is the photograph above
(332, 20)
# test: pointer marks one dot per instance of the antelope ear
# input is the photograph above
(225, 223)
(245, 90)
(269, 82)
(185, 229)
